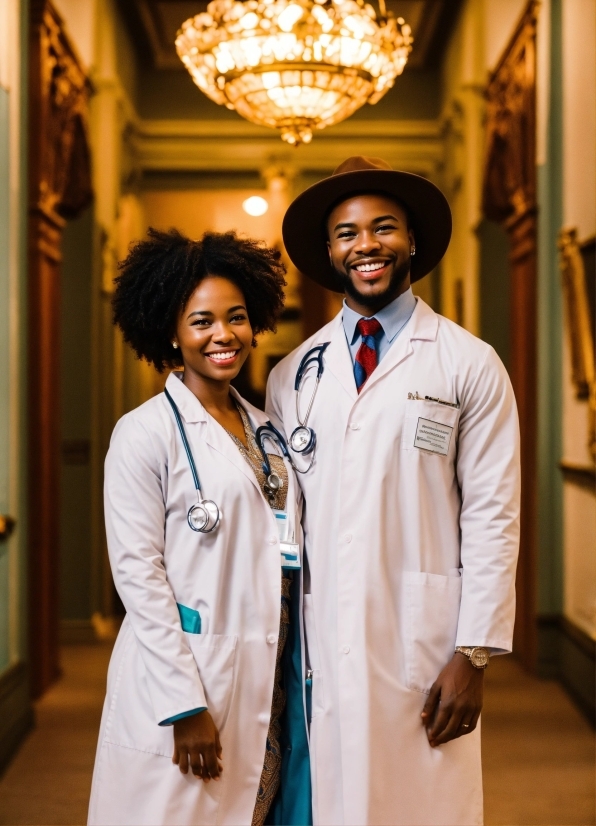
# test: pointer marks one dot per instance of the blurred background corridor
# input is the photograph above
(102, 134)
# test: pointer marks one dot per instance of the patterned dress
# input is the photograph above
(270, 775)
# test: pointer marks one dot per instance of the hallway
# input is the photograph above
(538, 750)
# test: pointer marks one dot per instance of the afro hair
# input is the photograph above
(161, 272)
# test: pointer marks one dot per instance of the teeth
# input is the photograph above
(370, 267)
(221, 356)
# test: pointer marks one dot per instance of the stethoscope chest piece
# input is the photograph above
(273, 483)
(204, 516)
(303, 440)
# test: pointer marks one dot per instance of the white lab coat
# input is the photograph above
(231, 576)
(410, 553)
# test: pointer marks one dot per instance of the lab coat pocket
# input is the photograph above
(215, 655)
(431, 603)
(318, 704)
(429, 427)
(132, 719)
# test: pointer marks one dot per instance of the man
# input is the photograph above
(411, 513)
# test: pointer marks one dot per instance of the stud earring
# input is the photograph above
(413, 251)
(175, 345)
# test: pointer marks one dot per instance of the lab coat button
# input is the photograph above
(273, 540)
(355, 426)
(271, 639)
(346, 649)
(348, 537)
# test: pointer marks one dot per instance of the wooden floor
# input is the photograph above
(538, 750)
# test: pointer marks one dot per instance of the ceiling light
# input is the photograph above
(294, 65)
(255, 206)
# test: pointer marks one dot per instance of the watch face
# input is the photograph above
(479, 657)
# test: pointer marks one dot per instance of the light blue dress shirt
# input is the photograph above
(392, 318)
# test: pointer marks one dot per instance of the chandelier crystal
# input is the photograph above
(294, 65)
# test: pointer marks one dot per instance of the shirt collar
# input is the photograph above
(391, 318)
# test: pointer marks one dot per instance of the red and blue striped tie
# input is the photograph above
(367, 356)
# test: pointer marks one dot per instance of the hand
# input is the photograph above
(455, 701)
(196, 742)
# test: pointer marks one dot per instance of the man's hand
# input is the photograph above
(196, 743)
(455, 701)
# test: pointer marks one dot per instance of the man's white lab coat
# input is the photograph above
(411, 526)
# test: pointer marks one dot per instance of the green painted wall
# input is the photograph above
(16, 713)
(4, 369)
(495, 288)
(550, 329)
(75, 403)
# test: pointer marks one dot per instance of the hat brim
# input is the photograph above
(305, 234)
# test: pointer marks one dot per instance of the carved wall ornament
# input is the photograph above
(510, 171)
(509, 198)
(579, 324)
(59, 132)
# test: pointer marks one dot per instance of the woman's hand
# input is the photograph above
(196, 743)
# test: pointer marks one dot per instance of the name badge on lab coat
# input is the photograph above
(289, 551)
(433, 436)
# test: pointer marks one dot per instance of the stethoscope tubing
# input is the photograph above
(204, 516)
(191, 461)
(313, 356)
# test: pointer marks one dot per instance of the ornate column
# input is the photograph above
(59, 188)
(509, 197)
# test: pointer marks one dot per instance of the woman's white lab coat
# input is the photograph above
(412, 551)
(232, 577)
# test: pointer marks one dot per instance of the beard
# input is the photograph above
(376, 300)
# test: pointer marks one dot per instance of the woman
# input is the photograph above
(198, 517)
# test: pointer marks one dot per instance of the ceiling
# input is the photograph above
(154, 24)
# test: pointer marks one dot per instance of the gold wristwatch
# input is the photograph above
(479, 657)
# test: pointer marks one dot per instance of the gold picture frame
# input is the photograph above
(580, 322)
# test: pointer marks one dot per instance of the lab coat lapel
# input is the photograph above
(423, 324)
(211, 432)
(338, 360)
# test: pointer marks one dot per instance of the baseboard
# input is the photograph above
(88, 631)
(568, 654)
(16, 712)
(77, 632)
(577, 667)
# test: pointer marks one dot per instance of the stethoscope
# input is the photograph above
(273, 482)
(205, 516)
(303, 439)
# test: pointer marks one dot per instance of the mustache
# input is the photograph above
(398, 276)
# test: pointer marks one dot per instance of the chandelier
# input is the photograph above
(294, 65)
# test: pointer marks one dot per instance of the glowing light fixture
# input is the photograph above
(294, 65)
(255, 206)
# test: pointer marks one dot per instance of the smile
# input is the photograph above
(374, 267)
(226, 357)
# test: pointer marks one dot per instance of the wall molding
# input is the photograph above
(576, 474)
(566, 653)
(16, 712)
(174, 145)
(77, 632)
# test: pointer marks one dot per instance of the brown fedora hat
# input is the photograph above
(305, 233)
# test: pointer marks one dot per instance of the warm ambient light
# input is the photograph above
(255, 206)
(294, 65)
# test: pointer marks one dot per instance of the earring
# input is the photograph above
(175, 345)
(413, 251)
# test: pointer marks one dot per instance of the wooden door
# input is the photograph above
(509, 197)
(59, 188)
